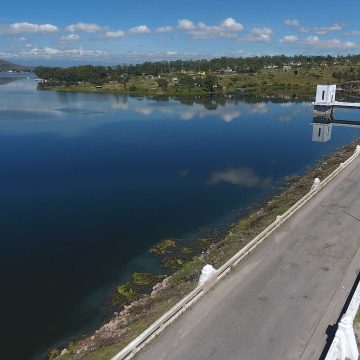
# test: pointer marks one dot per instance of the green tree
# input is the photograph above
(209, 82)
(163, 83)
(187, 81)
(124, 79)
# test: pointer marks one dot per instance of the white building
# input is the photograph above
(325, 94)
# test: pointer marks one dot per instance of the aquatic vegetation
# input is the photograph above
(146, 279)
(125, 293)
(171, 262)
(162, 248)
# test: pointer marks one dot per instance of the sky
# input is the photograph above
(64, 33)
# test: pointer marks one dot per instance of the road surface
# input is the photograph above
(279, 302)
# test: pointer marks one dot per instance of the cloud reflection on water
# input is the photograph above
(41, 108)
(240, 176)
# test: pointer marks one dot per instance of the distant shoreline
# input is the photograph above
(268, 90)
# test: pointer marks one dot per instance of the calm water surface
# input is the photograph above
(88, 182)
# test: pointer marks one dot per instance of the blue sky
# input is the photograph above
(113, 32)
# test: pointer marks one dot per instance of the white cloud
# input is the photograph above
(164, 29)
(86, 27)
(115, 34)
(322, 30)
(330, 44)
(228, 28)
(26, 27)
(232, 25)
(185, 24)
(71, 37)
(141, 56)
(304, 30)
(340, 44)
(353, 32)
(29, 46)
(312, 40)
(258, 35)
(21, 39)
(263, 30)
(292, 22)
(49, 52)
(140, 29)
(289, 39)
(241, 176)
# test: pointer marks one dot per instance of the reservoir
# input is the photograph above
(89, 182)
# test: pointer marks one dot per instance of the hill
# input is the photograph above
(9, 66)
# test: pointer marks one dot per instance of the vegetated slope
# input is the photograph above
(8, 66)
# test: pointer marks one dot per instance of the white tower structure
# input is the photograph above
(325, 94)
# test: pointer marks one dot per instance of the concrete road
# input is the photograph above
(280, 300)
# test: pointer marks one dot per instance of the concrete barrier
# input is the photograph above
(210, 276)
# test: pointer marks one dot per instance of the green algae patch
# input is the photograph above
(163, 247)
(125, 293)
(146, 279)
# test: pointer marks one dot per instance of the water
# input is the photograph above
(89, 182)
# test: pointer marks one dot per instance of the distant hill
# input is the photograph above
(7, 65)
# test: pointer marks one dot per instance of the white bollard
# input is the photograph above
(345, 341)
(357, 149)
(315, 184)
(346, 325)
(208, 275)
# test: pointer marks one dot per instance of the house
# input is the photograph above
(228, 70)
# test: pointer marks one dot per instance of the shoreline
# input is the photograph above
(140, 312)
(250, 97)
(267, 91)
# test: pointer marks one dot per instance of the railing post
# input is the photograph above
(207, 276)
(315, 184)
(345, 332)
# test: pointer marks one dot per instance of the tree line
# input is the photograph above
(121, 73)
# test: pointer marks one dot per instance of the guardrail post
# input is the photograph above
(347, 342)
(208, 276)
(357, 149)
(315, 184)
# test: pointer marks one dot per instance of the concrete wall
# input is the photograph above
(325, 94)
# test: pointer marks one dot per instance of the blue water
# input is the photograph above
(88, 182)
